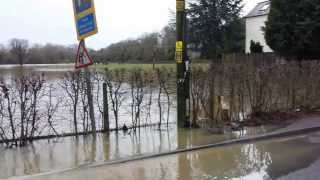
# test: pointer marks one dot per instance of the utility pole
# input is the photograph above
(182, 67)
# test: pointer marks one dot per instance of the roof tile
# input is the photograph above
(261, 9)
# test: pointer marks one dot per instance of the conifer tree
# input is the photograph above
(215, 27)
(293, 28)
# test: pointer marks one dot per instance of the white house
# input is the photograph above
(255, 21)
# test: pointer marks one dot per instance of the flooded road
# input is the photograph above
(70, 152)
(258, 161)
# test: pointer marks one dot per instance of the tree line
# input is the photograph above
(213, 28)
(150, 47)
(19, 51)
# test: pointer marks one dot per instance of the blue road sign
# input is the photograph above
(86, 24)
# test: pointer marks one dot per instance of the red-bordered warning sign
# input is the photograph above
(83, 59)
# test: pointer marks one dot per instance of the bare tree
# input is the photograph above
(36, 85)
(3, 134)
(24, 102)
(20, 49)
(8, 104)
(85, 107)
(51, 109)
(150, 83)
(115, 82)
(160, 83)
(163, 79)
(71, 85)
(2, 54)
(166, 87)
(98, 82)
(28, 93)
(196, 94)
(20, 101)
(137, 96)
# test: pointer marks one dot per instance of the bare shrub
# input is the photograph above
(71, 84)
(163, 82)
(115, 81)
(20, 109)
(198, 94)
(137, 89)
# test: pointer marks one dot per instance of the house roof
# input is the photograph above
(261, 9)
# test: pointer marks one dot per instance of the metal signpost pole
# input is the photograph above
(181, 56)
(86, 25)
(106, 123)
(90, 98)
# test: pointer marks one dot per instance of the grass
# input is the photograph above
(146, 67)
(114, 66)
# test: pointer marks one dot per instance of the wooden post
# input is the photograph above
(181, 60)
(154, 58)
(106, 123)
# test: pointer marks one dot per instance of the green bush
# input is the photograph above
(256, 47)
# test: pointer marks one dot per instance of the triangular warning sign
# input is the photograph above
(83, 59)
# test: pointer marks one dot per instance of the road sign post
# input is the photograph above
(86, 25)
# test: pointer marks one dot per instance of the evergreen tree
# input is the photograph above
(215, 27)
(293, 28)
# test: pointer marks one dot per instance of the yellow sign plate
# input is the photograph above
(179, 55)
(179, 46)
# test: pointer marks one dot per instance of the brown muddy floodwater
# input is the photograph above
(263, 160)
(258, 161)
(63, 116)
(70, 152)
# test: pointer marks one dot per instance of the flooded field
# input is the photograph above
(258, 161)
(62, 119)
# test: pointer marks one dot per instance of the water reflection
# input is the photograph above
(48, 155)
(263, 160)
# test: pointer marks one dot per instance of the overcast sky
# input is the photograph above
(51, 21)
